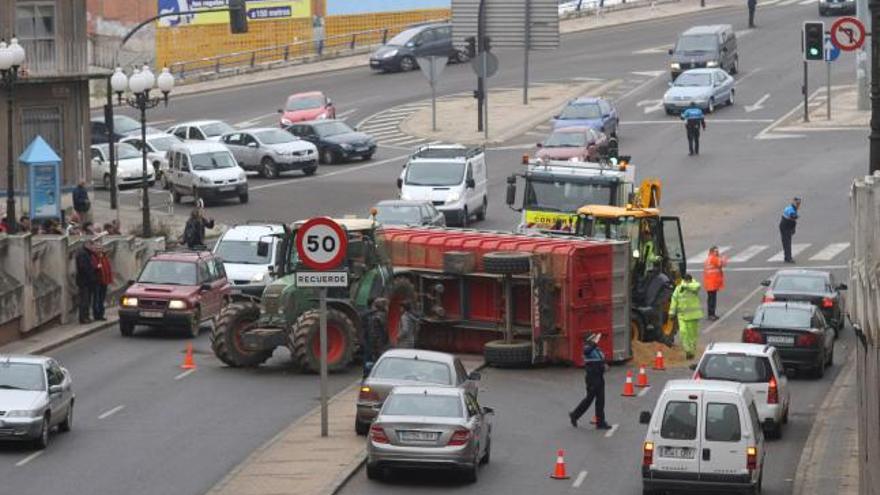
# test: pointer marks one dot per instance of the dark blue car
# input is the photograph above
(587, 111)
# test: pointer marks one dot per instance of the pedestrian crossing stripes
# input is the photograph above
(758, 251)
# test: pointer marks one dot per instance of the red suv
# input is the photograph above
(175, 290)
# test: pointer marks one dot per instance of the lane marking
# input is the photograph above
(765, 133)
(403, 139)
(806, 2)
(701, 257)
(747, 254)
(644, 391)
(380, 127)
(732, 310)
(342, 115)
(758, 105)
(306, 180)
(185, 374)
(773, 268)
(579, 480)
(649, 73)
(639, 88)
(29, 458)
(655, 49)
(610, 433)
(254, 120)
(111, 412)
(796, 249)
(830, 251)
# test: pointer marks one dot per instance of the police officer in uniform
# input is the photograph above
(694, 121)
(594, 366)
(787, 226)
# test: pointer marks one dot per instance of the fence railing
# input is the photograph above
(290, 52)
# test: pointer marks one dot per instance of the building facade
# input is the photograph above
(51, 98)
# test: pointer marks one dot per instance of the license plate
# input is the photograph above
(780, 340)
(419, 436)
(151, 314)
(678, 452)
(227, 188)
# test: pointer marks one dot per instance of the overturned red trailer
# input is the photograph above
(519, 299)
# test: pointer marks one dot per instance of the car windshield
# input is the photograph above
(168, 272)
(403, 37)
(212, 160)
(304, 103)
(428, 173)
(414, 370)
(21, 376)
(694, 80)
(274, 136)
(783, 317)
(808, 284)
(244, 252)
(581, 111)
(216, 129)
(123, 151)
(565, 196)
(736, 368)
(697, 43)
(567, 139)
(432, 406)
(332, 129)
(124, 125)
(398, 215)
(163, 143)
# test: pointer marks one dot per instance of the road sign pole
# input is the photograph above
(322, 308)
(828, 88)
(481, 78)
(806, 96)
(486, 96)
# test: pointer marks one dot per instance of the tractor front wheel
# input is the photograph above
(341, 336)
(227, 336)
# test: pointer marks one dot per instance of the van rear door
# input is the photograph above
(677, 444)
(726, 434)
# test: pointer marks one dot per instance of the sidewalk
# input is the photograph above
(52, 338)
(844, 112)
(298, 461)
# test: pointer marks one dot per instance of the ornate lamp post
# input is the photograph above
(139, 85)
(11, 58)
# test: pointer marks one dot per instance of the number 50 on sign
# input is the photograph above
(321, 244)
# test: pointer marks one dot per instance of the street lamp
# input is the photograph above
(11, 58)
(874, 137)
(140, 84)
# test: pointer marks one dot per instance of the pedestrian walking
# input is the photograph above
(408, 327)
(86, 280)
(686, 307)
(82, 205)
(787, 227)
(713, 279)
(753, 4)
(194, 231)
(694, 122)
(594, 377)
(375, 338)
(104, 272)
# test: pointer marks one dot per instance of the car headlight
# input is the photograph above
(23, 414)
(259, 277)
(204, 180)
(389, 54)
(242, 177)
(712, 63)
(176, 304)
(286, 121)
(675, 66)
(345, 146)
(129, 301)
(322, 116)
(453, 197)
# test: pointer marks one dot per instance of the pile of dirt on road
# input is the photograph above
(673, 357)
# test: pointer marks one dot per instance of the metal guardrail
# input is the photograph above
(289, 52)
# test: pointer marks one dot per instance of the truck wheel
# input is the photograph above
(402, 290)
(341, 334)
(501, 354)
(506, 262)
(226, 337)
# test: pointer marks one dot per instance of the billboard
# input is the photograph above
(349, 7)
(258, 10)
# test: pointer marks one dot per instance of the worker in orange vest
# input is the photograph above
(713, 279)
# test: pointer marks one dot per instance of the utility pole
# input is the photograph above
(874, 138)
(481, 83)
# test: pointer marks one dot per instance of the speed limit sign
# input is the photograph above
(321, 244)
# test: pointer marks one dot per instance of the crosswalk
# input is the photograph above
(800, 251)
(384, 126)
(785, 3)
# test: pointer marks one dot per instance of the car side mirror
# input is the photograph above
(841, 287)
(368, 367)
(130, 283)
(670, 51)
(724, 49)
(253, 145)
(399, 183)
(55, 389)
(539, 145)
(262, 249)
(329, 102)
(205, 287)
(557, 116)
(475, 376)
(765, 283)
(488, 410)
(748, 318)
(280, 111)
(645, 417)
(470, 183)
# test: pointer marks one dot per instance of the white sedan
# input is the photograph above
(158, 144)
(129, 166)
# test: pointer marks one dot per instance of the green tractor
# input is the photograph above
(263, 318)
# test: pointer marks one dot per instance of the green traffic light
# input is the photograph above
(814, 51)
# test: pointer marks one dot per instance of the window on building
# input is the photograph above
(35, 28)
(44, 122)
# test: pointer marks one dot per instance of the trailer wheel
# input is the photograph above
(341, 335)
(501, 354)
(226, 336)
(506, 262)
(402, 290)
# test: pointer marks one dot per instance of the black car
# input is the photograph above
(799, 332)
(812, 286)
(123, 126)
(336, 141)
(408, 213)
(401, 51)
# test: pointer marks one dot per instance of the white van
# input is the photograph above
(205, 170)
(453, 178)
(242, 261)
(705, 436)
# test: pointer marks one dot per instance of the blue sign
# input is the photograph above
(831, 51)
(44, 179)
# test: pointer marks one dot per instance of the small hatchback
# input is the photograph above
(175, 290)
(704, 436)
(760, 369)
(35, 396)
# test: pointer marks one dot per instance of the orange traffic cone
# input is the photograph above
(628, 390)
(559, 473)
(643, 377)
(188, 361)
(658, 361)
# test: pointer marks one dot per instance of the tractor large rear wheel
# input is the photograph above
(226, 338)
(514, 354)
(341, 336)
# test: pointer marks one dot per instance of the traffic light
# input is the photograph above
(238, 21)
(471, 46)
(814, 41)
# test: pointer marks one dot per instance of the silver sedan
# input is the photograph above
(271, 151)
(35, 396)
(707, 88)
(430, 427)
